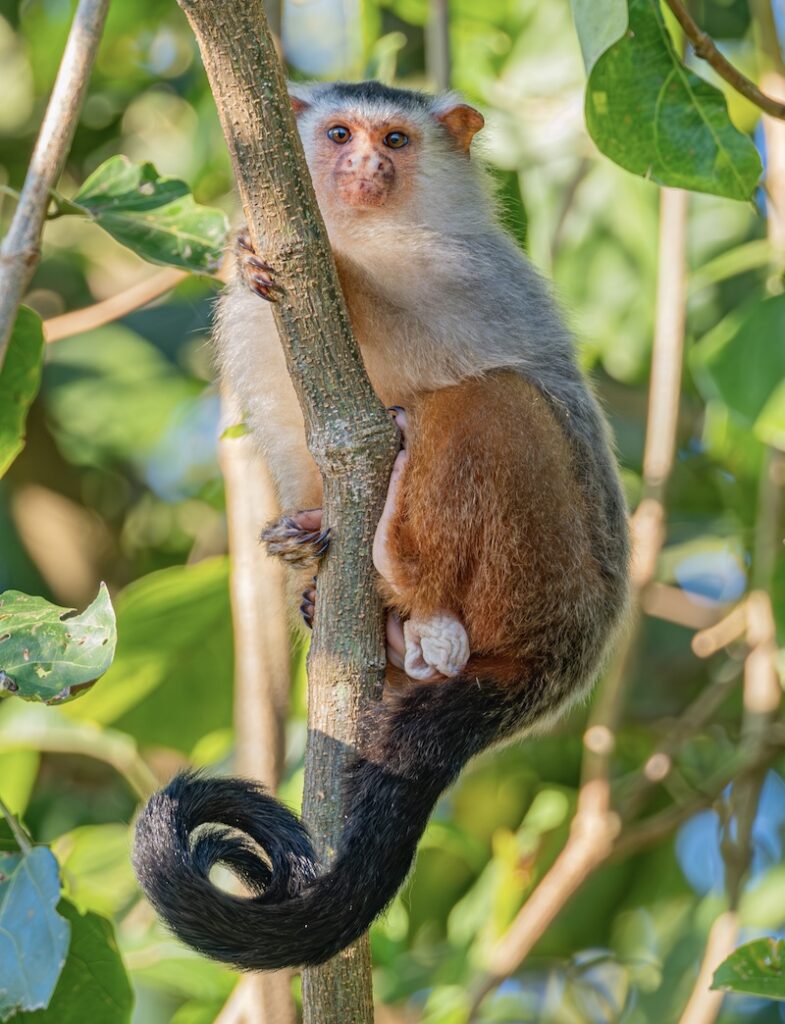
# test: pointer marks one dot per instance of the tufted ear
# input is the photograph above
(298, 104)
(462, 122)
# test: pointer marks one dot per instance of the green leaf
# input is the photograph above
(95, 865)
(156, 217)
(33, 936)
(20, 378)
(49, 653)
(758, 969)
(171, 681)
(112, 394)
(742, 362)
(599, 24)
(652, 116)
(93, 985)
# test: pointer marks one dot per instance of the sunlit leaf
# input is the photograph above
(33, 936)
(93, 986)
(49, 653)
(654, 117)
(95, 864)
(758, 969)
(742, 362)
(172, 678)
(20, 378)
(157, 217)
(599, 23)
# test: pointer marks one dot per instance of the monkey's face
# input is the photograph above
(363, 163)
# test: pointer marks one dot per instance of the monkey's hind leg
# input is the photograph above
(429, 647)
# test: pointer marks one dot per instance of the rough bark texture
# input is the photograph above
(349, 434)
(20, 251)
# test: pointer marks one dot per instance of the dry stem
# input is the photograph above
(705, 47)
(20, 252)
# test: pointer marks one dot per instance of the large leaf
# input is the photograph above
(599, 23)
(172, 679)
(93, 986)
(155, 216)
(652, 116)
(742, 362)
(95, 864)
(20, 378)
(758, 969)
(49, 653)
(33, 936)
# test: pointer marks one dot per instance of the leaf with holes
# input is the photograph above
(154, 216)
(33, 936)
(758, 969)
(654, 117)
(51, 654)
(20, 378)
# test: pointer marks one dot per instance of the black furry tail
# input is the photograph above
(422, 739)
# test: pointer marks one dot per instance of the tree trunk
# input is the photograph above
(349, 433)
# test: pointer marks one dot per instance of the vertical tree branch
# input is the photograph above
(20, 252)
(261, 670)
(348, 431)
(595, 826)
(437, 45)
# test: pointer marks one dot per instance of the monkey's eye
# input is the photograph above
(339, 134)
(396, 140)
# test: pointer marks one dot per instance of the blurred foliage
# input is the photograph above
(118, 481)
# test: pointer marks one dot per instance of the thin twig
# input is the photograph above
(261, 671)
(20, 252)
(437, 42)
(107, 745)
(23, 841)
(705, 48)
(704, 1004)
(100, 313)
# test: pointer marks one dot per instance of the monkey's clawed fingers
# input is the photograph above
(297, 537)
(258, 275)
(308, 604)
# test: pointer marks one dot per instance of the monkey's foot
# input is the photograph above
(297, 538)
(437, 645)
(258, 275)
(308, 604)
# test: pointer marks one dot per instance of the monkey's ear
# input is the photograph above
(299, 105)
(462, 122)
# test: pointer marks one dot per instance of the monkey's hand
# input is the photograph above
(257, 275)
(298, 537)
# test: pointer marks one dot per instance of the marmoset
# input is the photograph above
(503, 549)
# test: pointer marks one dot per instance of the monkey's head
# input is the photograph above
(375, 151)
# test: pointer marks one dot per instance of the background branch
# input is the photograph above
(348, 431)
(20, 252)
(705, 48)
(596, 825)
(261, 670)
